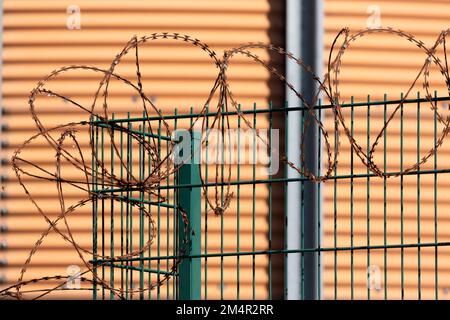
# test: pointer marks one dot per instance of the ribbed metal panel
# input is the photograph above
(375, 65)
(36, 41)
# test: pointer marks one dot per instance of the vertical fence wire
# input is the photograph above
(435, 181)
(94, 136)
(102, 157)
(175, 221)
(352, 152)
(270, 199)
(402, 240)
(385, 267)
(419, 291)
(158, 244)
(112, 211)
(205, 211)
(319, 211)
(335, 231)
(141, 149)
(238, 212)
(122, 270)
(285, 188)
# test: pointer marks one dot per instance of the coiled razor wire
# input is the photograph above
(328, 87)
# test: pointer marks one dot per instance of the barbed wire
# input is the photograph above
(328, 87)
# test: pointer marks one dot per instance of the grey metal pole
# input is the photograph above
(292, 262)
(303, 38)
(311, 49)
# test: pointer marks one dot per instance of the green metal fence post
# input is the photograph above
(190, 200)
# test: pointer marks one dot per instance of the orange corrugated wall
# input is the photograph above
(36, 41)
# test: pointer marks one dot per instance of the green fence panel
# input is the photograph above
(363, 235)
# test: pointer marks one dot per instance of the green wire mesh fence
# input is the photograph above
(376, 237)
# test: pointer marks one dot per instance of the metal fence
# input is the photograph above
(376, 237)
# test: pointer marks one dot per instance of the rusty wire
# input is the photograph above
(328, 88)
